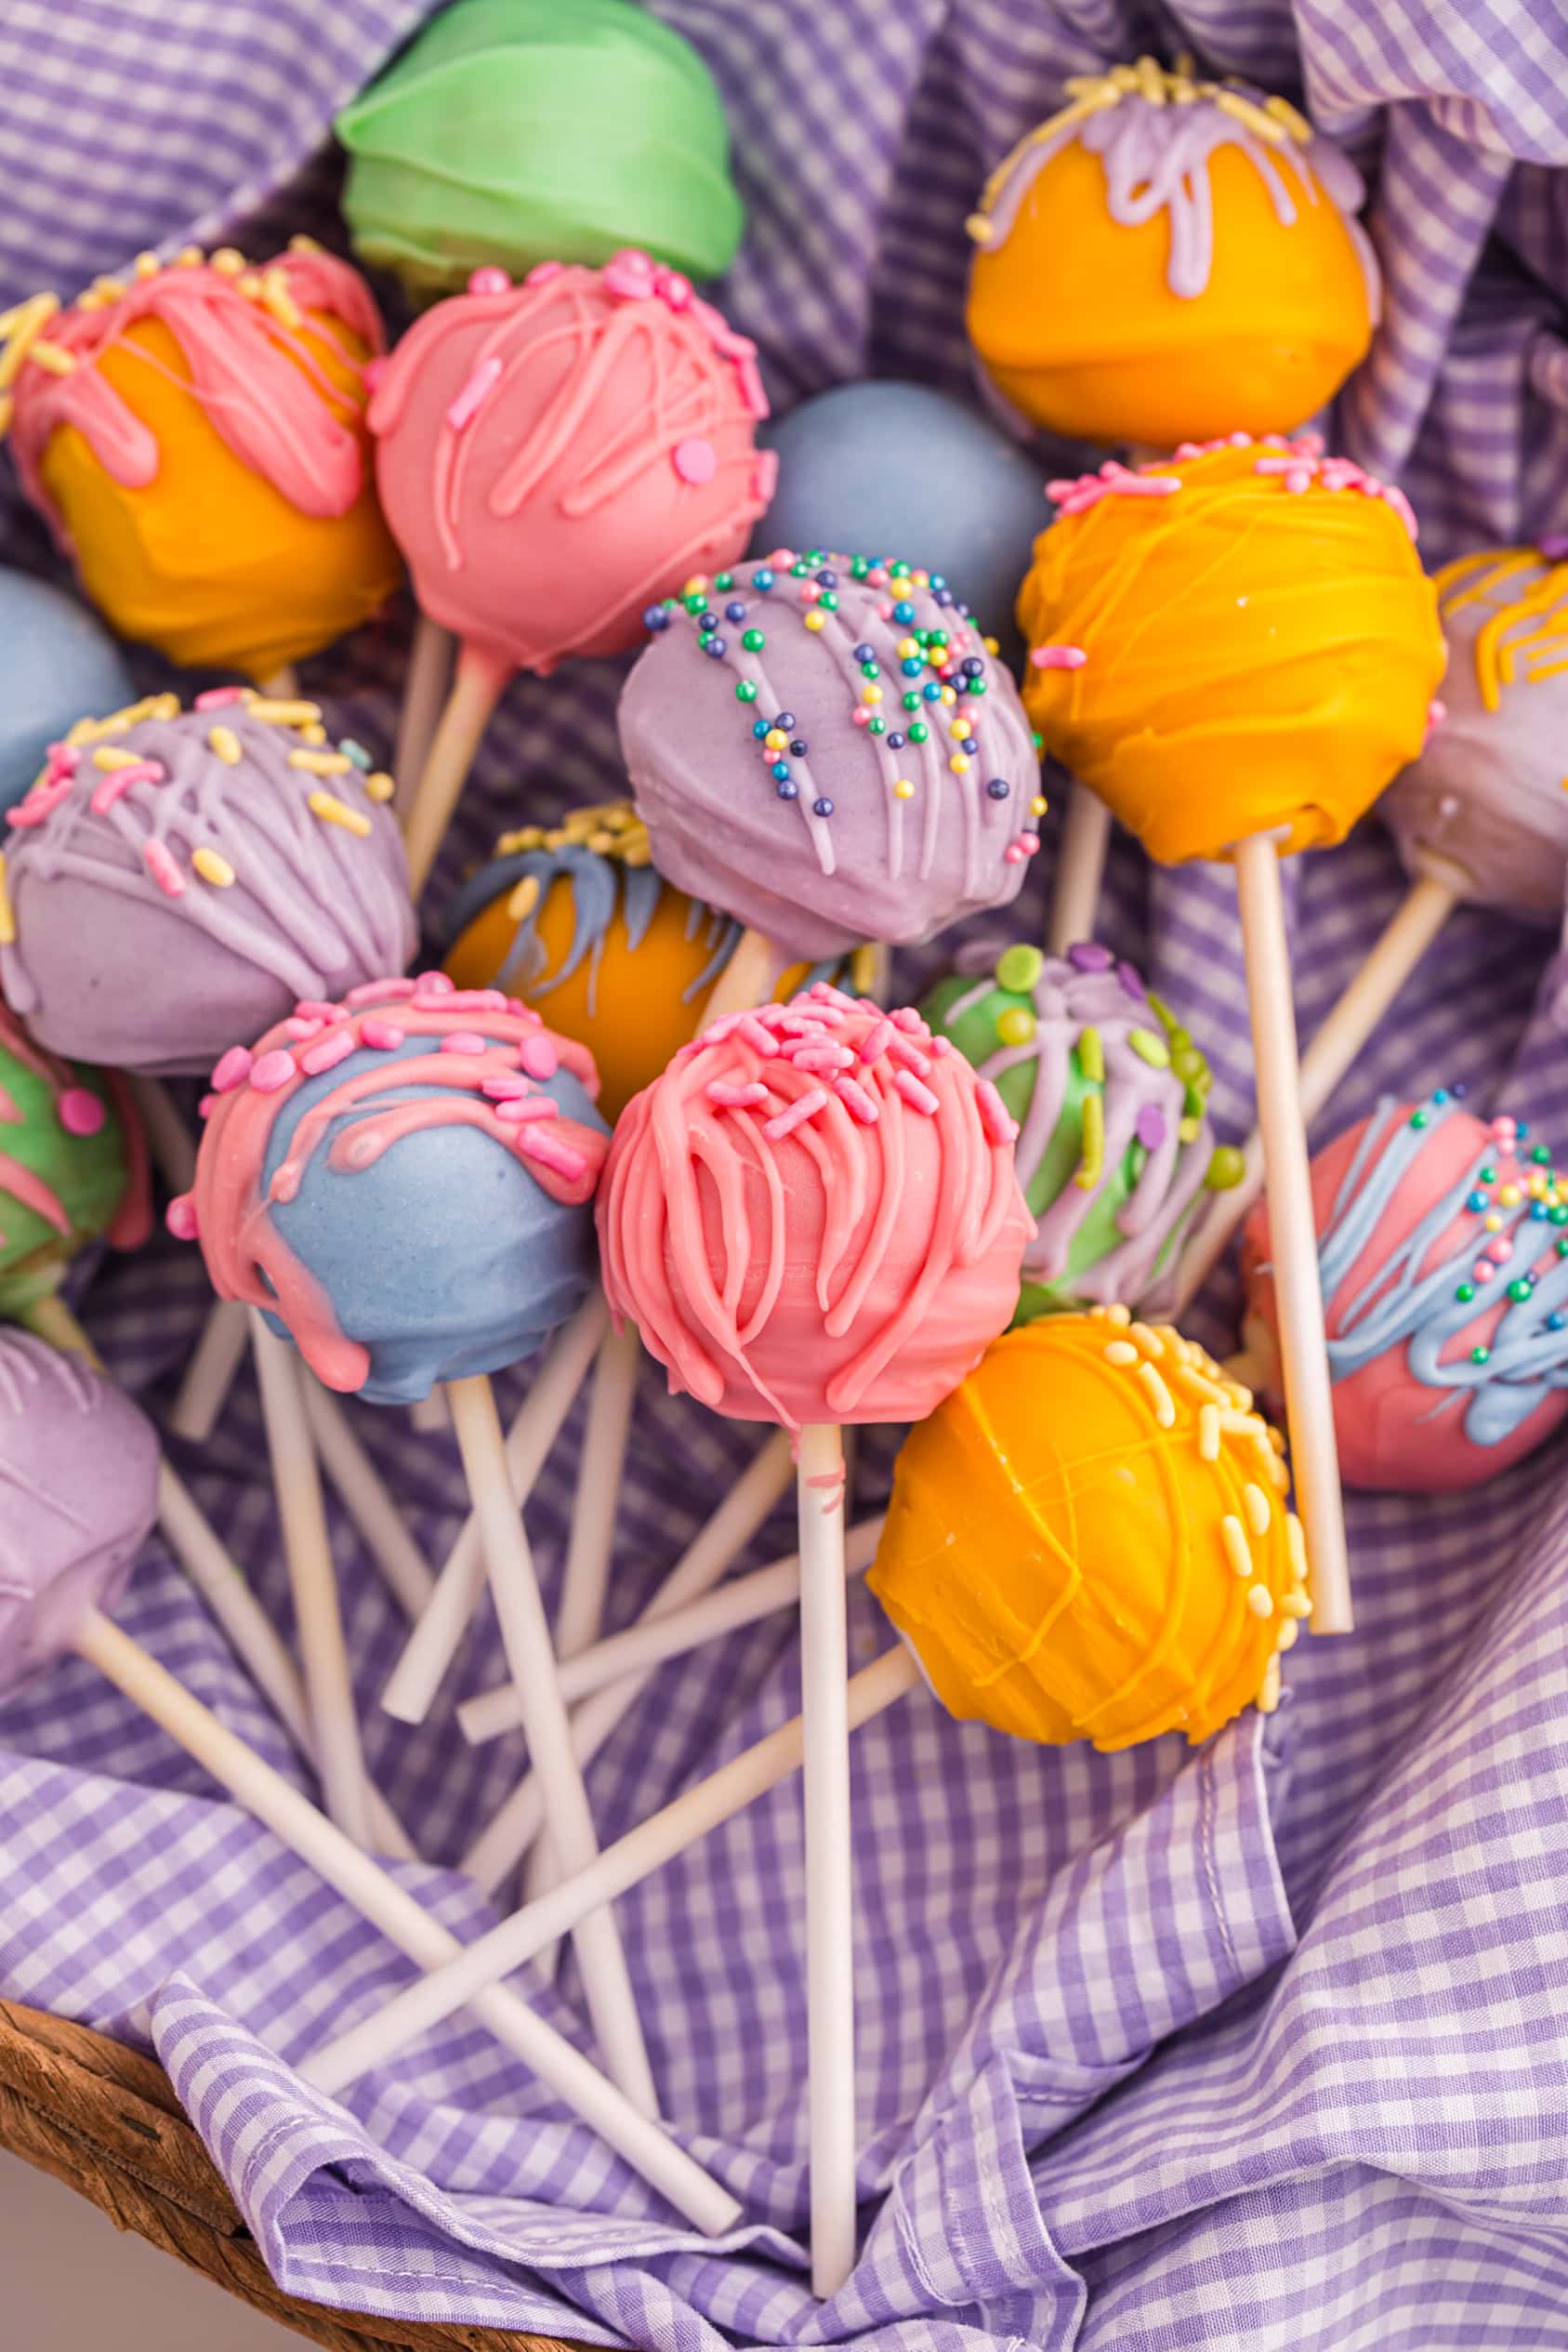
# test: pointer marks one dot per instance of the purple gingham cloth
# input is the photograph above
(1264, 2045)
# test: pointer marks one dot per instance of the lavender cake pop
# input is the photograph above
(1487, 794)
(1114, 1149)
(177, 878)
(78, 1495)
(893, 781)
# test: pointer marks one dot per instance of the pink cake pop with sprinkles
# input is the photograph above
(813, 1218)
(552, 456)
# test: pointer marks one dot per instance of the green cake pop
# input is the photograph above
(72, 1166)
(518, 131)
(1115, 1150)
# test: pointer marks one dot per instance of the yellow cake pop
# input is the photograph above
(1168, 258)
(574, 918)
(1089, 1540)
(196, 440)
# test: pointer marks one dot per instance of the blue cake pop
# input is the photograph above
(57, 666)
(403, 1183)
(899, 470)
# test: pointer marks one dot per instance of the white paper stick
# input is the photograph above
(502, 1844)
(1080, 870)
(211, 1372)
(425, 687)
(169, 1141)
(370, 1506)
(313, 1582)
(1393, 958)
(653, 1641)
(429, 1416)
(586, 1579)
(281, 684)
(748, 979)
(435, 1639)
(1314, 1454)
(381, 1900)
(525, 1637)
(476, 689)
(830, 1917)
(632, 1858)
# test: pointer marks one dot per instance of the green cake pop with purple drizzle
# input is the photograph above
(1114, 1149)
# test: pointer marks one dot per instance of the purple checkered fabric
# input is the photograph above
(1264, 2045)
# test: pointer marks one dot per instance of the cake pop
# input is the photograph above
(812, 1218)
(55, 663)
(400, 1184)
(195, 439)
(174, 876)
(1090, 1539)
(895, 783)
(907, 468)
(1115, 1148)
(575, 920)
(1445, 1278)
(552, 456)
(78, 1473)
(1481, 816)
(508, 133)
(72, 1166)
(1167, 258)
(1235, 649)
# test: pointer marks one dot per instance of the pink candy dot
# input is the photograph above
(271, 1071)
(694, 460)
(80, 1113)
(381, 1035)
(463, 1041)
(494, 281)
(1500, 1250)
(182, 1218)
(233, 1069)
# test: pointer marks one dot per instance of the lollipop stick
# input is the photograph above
(460, 1585)
(1080, 872)
(51, 1320)
(586, 1579)
(429, 1415)
(1389, 965)
(374, 1514)
(168, 1139)
(1314, 1456)
(830, 1944)
(425, 687)
(748, 979)
(476, 689)
(525, 1637)
(210, 1374)
(632, 1858)
(281, 684)
(312, 1580)
(381, 1900)
(502, 1844)
(746, 1600)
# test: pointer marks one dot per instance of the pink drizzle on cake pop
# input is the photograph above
(812, 1215)
(80, 1116)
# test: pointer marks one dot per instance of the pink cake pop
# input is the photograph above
(814, 1217)
(554, 457)
(1444, 1263)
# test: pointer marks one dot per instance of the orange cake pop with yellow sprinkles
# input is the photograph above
(574, 919)
(1088, 1538)
(1167, 257)
(1235, 641)
(195, 439)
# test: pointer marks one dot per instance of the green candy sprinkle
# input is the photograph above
(1019, 968)
(752, 639)
(747, 691)
(1226, 1169)
(1465, 1293)
(1150, 1048)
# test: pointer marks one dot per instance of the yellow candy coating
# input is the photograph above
(1089, 1540)
(1257, 654)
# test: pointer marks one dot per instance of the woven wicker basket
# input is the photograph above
(103, 2119)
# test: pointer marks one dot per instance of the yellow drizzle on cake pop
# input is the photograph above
(1090, 1539)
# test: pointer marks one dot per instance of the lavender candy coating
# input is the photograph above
(248, 865)
(823, 747)
(1487, 794)
(78, 1495)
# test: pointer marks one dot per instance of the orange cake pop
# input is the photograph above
(196, 441)
(1168, 258)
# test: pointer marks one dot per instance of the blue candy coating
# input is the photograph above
(446, 1256)
(57, 665)
(899, 470)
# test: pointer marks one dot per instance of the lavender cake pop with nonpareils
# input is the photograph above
(78, 1495)
(824, 747)
(177, 878)
(403, 1182)
(1114, 1149)
(1489, 793)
